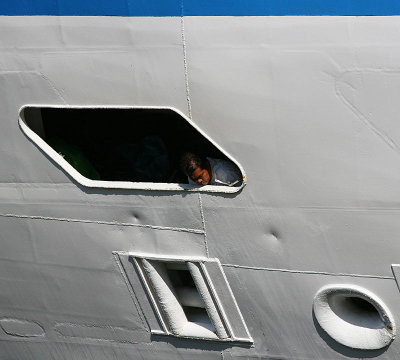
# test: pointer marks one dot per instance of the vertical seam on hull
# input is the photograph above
(203, 221)
(189, 105)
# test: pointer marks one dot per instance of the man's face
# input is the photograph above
(201, 176)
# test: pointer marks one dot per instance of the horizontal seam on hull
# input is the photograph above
(155, 227)
(308, 272)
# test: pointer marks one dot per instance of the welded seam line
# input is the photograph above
(348, 209)
(46, 79)
(203, 221)
(58, 92)
(370, 125)
(185, 65)
(308, 272)
(99, 222)
(131, 292)
(69, 325)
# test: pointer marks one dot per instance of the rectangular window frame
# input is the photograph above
(226, 311)
(82, 180)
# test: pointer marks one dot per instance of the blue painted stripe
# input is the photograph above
(199, 7)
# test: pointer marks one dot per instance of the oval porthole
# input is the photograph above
(354, 317)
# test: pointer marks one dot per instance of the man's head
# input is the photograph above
(196, 167)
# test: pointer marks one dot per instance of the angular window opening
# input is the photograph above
(184, 297)
(181, 297)
(188, 296)
(107, 146)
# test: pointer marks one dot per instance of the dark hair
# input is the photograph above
(190, 162)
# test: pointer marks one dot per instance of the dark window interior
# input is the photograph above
(140, 145)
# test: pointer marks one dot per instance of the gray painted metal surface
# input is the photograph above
(307, 106)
